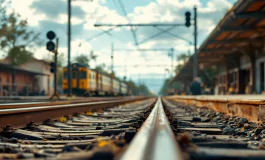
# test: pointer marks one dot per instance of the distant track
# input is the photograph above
(38, 112)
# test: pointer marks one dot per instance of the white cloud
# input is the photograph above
(26, 12)
(159, 11)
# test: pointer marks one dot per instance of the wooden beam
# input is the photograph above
(257, 15)
(241, 28)
(231, 41)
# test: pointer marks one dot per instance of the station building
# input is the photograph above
(32, 77)
(237, 48)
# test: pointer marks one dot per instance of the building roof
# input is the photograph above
(7, 61)
(241, 27)
(6, 67)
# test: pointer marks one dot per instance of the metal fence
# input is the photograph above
(8, 89)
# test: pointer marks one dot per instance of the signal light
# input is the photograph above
(51, 35)
(50, 46)
(53, 67)
(187, 15)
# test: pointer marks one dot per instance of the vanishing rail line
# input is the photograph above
(21, 115)
(53, 102)
(203, 132)
(143, 129)
(101, 131)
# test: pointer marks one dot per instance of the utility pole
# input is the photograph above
(125, 69)
(56, 69)
(112, 58)
(172, 62)
(195, 57)
(69, 51)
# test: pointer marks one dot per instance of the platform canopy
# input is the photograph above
(242, 26)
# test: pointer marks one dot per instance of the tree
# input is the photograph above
(183, 57)
(142, 89)
(15, 38)
(82, 59)
(102, 69)
(169, 86)
(178, 68)
(3, 6)
(85, 59)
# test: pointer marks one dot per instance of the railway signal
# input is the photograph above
(52, 47)
(50, 44)
(187, 15)
(188, 24)
(53, 67)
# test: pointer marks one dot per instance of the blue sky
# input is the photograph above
(46, 15)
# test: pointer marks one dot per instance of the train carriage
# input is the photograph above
(123, 89)
(115, 87)
(83, 80)
(87, 82)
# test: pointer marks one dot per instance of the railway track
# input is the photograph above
(21, 104)
(144, 129)
(98, 132)
(207, 134)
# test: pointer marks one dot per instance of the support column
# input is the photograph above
(233, 62)
(253, 71)
(252, 56)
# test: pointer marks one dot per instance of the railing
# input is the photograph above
(8, 89)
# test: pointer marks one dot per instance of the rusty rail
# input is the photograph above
(50, 103)
(20, 116)
(155, 139)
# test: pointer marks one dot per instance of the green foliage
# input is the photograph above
(169, 86)
(3, 6)
(15, 37)
(178, 68)
(19, 55)
(101, 69)
(82, 59)
(142, 89)
(183, 57)
(85, 59)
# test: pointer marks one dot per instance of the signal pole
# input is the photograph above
(195, 58)
(69, 50)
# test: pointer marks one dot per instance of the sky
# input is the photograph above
(142, 67)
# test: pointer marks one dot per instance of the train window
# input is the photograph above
(83, 75)
(74, 74)
(65, 74)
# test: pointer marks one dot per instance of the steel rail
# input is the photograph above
(47, 103)
(155, 139)
(20, 116)
(32, 109)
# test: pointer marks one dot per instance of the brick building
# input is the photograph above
(34, 75)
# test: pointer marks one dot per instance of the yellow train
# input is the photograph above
(88, 82)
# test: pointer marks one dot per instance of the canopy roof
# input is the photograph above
(6, 67)
(242, 26)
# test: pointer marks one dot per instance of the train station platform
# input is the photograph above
(249, 106)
